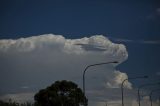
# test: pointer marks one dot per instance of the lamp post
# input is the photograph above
(127, 80)
(144, 85)
(150, 95)
(85, 72)
(159, 101)
(106, 103)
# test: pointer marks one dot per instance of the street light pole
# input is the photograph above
(139, 98)
(150, 95)
(123, 85)
(159, 101)
(106, 104)
(85, 72)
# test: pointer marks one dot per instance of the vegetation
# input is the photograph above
(10, 103)
(61, 93)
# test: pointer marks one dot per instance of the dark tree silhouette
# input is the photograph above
(61, 93)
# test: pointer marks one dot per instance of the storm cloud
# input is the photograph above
(29, 64)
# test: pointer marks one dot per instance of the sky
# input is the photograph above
(42, 38)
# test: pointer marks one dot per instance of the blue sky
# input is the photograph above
(77, 18)
(133, 20)
(134, 23)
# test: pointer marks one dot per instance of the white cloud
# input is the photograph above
(116, 81)
(41, 60)
(32, 43)
(58, 43)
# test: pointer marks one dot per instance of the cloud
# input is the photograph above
(25, 87)
(41, 60)
(115, 82)
(58, 43)
(150, 42)
(158, 73)
(155, 15)
(158, 11)
(123, 40)
(88, 47)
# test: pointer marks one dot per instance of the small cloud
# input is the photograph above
(158, 73)
(155, 15)
(150, 42)
(123, 40)
(25, 87)
(158, 11)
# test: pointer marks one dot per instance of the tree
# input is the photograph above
(61, 93)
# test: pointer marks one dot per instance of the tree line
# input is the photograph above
(3, 103)
(60, 93)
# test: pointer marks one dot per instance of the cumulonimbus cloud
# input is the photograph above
(58, 42)
(40, 60)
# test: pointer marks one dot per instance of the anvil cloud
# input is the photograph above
(38, 61)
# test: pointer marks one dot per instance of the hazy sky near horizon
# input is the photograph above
(133, 24)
